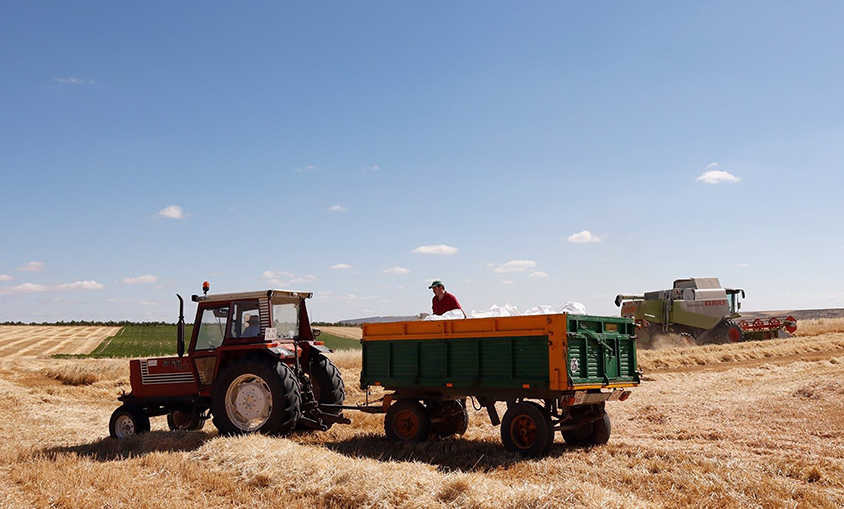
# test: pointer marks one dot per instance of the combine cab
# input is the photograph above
(252, 365)
(701, 311)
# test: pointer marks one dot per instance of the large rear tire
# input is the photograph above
(253, 394)
(527, 429)
(128, 420)
(327, 383)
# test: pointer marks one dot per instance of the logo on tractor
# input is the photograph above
(574, 366)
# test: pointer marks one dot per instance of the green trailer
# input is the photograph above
(555, 373)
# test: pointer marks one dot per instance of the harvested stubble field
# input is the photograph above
(746, 425)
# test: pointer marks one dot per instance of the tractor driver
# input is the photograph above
(253, 328)
(443, 302)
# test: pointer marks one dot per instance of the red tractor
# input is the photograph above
(252, 365)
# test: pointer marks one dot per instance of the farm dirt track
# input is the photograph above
(33, 341)
(751, 425)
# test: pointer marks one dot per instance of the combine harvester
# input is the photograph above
(700, 311)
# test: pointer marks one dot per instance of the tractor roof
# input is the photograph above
(283, 294)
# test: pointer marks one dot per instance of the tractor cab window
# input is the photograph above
(246, 319)
(286, 320)
(212, 328)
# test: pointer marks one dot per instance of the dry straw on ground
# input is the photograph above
(747, 425)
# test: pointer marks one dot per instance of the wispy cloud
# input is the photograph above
(439, 249)
(31, 267)
(81, 285)
(716, 176)
(740, 265)
(306, 169)
(371, 168)
(538, 274)
(172, 212)
(338, 208)
(141, 280)
(341, 266)
(6, 277)
(583, 237)
(23, 288)
(307, 278)
(515, 266)
(75, 81)
(508, 282)
(397, 270)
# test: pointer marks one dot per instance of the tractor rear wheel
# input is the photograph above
(407, 421)
(449, 418)
(527, 429)
(592, 433)
(183, 421)
(128, 420)
(327, 383)
(253, 394)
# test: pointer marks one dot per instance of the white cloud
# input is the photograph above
(140, 280)
(440, 249)
(341, 266)
(81, 285)
(75, 81)
(147, 303)
(583, 237)
(538, 274)
(306, 169)
(371, 168)
(515, 266)
(23, 288)
(508, 282)
(307, 278)
(711, 165)
(740, 265)
(6, 277)
(717, 177)
(172, 211)
(338, 208)
(397, 270)
(32, 267)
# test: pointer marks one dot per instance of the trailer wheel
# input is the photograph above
(128, 420)
(407, 421)
(254, 394)
(183, 421)
(327, 383)
(593, 433)
(449, 418)
(527, 429)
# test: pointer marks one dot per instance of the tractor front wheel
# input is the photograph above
(253, 394)
(407, 421)
(128, 420)
(527, 429)
(183, 421)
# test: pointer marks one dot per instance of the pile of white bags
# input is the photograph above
(575, 308)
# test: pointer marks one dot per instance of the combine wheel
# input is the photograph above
(735, 333)
(450, 418)
(254, 394)
(327, 383)
(407, 421)
(527, 429)
(128, 420)
(593, 433)
(182, 421)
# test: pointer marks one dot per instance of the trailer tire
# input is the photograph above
(327, 383)
(526, 429)
(407, 421)
(128, 420)
(592, 433)
(183, 421)
(454, 415)
(254, 394)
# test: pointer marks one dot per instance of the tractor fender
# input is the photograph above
(319, 349)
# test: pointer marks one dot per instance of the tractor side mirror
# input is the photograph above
(316, 333)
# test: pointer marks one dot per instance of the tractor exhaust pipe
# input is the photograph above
(180, 328)
(621, 297)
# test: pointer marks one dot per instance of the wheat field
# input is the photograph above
(744, 425)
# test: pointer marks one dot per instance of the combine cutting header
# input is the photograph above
(700, 310)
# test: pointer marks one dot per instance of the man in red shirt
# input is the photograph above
(443, 301)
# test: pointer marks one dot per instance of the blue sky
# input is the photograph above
(529, 153)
